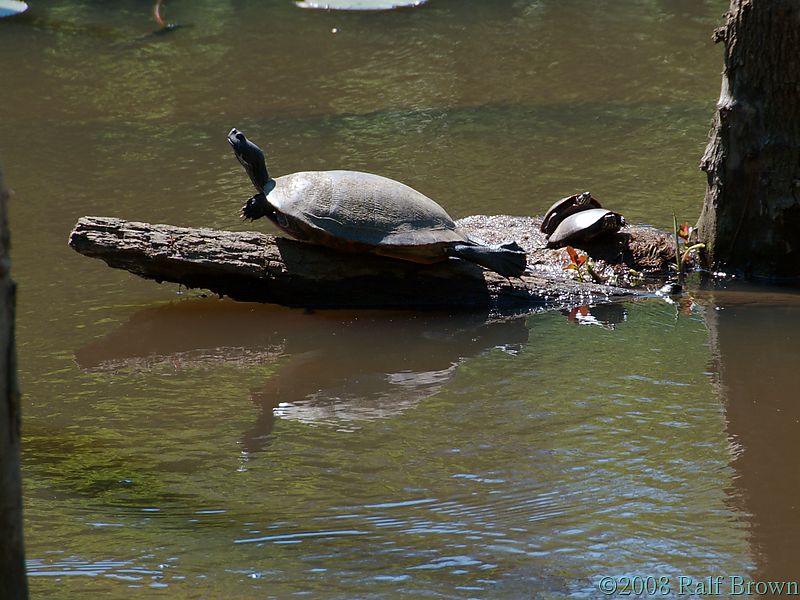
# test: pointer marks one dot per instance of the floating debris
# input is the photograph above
(359, 4)
(9, 8)
(163, 26)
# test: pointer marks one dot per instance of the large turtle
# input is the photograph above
(362, 212)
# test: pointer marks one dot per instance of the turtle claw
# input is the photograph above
(255, 208)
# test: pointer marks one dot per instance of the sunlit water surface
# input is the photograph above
(218, 450)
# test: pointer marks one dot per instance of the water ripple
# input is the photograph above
(296, 537)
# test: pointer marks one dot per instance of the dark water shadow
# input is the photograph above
(338, 367)
(401, 280)
(755, 356)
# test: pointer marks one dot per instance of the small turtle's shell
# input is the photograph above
(566, 207)
(585, 226)
(349, 207)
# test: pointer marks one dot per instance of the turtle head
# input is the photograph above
(251, 157)
(613, 221)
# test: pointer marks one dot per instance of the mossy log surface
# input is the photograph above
(257, 267)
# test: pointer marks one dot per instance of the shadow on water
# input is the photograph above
(336, 367)
(755, 355)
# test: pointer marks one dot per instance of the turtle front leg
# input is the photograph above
(257, 207)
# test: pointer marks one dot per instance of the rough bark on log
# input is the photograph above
(252, 266)
(751, 213)
(13, 584)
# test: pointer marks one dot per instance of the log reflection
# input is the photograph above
(331, 366)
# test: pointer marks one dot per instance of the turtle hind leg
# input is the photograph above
(509, 260)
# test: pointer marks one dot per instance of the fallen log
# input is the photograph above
(256, 267)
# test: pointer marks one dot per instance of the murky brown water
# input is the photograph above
(217, 450)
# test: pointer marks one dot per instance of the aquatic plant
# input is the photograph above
(682, 246)
(582, 265)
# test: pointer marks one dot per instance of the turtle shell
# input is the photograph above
(566, 207)
(362, 208)
(584, 226)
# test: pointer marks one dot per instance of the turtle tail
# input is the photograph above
(510, 260)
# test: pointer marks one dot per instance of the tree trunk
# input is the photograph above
(750, 220)
(13, 585)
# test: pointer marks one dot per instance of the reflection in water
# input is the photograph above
(605, 315)
(358, 4)
(554, 455)
(756, 354)
(334, 367)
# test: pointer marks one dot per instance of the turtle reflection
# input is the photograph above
(605, 315)
(332, 367)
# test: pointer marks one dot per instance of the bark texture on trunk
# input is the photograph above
(13, 584)
(750, 220)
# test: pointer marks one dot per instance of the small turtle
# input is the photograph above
(566, 207)
(362, 212)
(585, 226)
